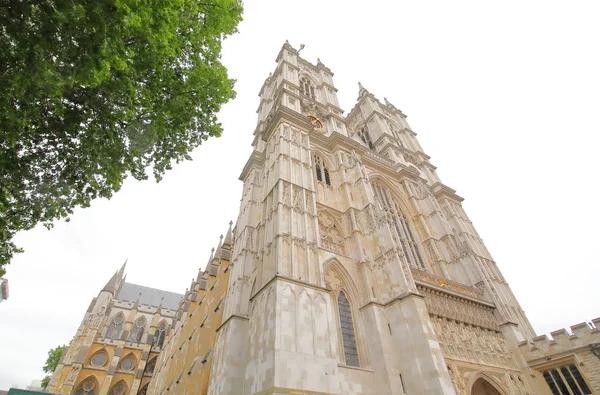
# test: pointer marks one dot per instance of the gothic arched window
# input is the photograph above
(88, 386)
(128, 363)
(159, 335)
(118, 389)
(143, 390)
(364, 135)
(116, 326)
(307, 87)
(321, 171)
(347, 328)
(149, 370)
(137, 331)
(400, 226)
(99, 359)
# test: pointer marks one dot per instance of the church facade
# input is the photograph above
(351, 269)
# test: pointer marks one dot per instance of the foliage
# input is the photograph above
(92, 91)
(54, 356)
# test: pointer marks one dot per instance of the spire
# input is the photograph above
(229, 236)
(218, 252)
(136, 305)
(159, 310)
(361, 90)
(113, 283)
(212, 253)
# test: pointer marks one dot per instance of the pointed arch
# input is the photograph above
(88, 386)
(137, 330)
(365, 136)
(307, 85)
(115, 328)
(120, 388)
(401, 226)
(128, 362)
(482, 383)
(344, 295)
(322, 165)
(99, 358)
(159, 335)
(143, 390)
(150, 366)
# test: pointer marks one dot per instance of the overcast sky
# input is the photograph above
(504, 97)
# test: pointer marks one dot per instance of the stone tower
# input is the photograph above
(354, 269)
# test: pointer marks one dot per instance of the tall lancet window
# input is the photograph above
(321, 171)
(114, 329)
(347, 326)
(159, 335)
(364, 135)
(307, 87)
(400, 226)
(137, 331)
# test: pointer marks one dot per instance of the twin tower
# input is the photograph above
(352, 269)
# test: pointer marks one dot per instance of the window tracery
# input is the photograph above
(149, 370)
(137, 331)
(87, 387)
(559, 379)
(348, 339)
(322, 173)
(400, 226)
(115, 328)
(159, 335)
(364, 135)
(99, 359)
(347, 328)
(128, 363)
(118, 389)
(307, 87)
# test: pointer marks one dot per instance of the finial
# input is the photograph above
(287, 42)
(360, 87)
(229, 238)
(221, 237)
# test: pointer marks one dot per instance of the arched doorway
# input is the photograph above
(483, 387)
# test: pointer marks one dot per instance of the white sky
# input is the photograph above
(504, 97)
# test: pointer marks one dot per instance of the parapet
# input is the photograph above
(581, 335)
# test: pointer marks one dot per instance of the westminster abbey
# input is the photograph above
(351, 270)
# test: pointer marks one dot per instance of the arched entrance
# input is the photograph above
(483, 387)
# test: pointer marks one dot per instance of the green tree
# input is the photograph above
(54, 356)
(92, 91)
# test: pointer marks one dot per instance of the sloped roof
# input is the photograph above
(150, 296)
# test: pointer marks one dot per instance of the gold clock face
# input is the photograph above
(316, 123)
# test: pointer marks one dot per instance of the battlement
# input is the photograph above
(580, 335)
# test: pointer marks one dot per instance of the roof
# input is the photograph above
(149, 296)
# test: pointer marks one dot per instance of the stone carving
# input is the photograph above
(333, 281)
(331, 237)
(471, 343)
(410, 158)
(444, 305)
(73, 373)
(445, 283)
(97, 319)
(298, 202)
